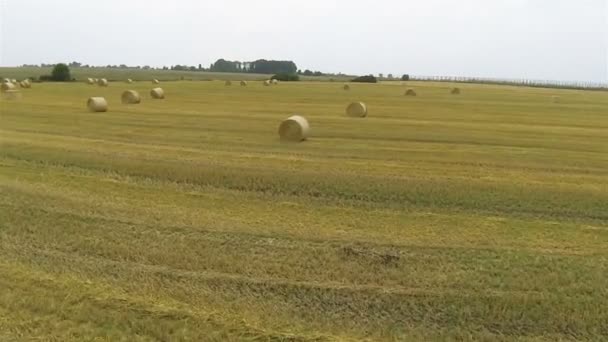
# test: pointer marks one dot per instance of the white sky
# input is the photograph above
(533, 39)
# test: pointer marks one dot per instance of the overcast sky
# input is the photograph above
(533, 39)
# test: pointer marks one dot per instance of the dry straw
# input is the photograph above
(90, 81)
(14, 81)
(26, 83)
(228, 83)
(410, 92)
(455, 91)
(130, 97)
(357, 109)
(97, 104)
(346, 87)
(295, 128)
(102, 82)
(267, 83)
(12, 94)
(157, 93)
(155, 81)
(243, 83)
(6, 80)
(7, 86)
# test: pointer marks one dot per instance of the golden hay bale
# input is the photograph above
(155, 81)
(228, 83)
(410, 92)
(455, 91)
(275, 81)
(102, 82)
(357, 109)
(26, 83)
(295, 128)
(129, 80)
(157, 93)
(91, 81)
(243, 83)
(130, 97)
(97, 104)
(6, 80)
(346, 87)
(267, 83)
(12, 94)
(555, 99)
(14, 81)
(6, 86)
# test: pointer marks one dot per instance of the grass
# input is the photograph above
(482, 216)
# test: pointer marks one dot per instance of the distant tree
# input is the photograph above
(61, 73)
(390, 76)
(318, 73)
(405, 77)
(308, 72)
(200, 66)
(380, 75)
(365, 79)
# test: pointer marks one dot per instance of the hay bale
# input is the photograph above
(228, 83)
(14, 81)
(97, 104)
(130, 97)
(6, 80)
(90, 81)
(7, 86)
(11, 95)
(295, 128)
(275, 81)
(555, 99)
(346, 87)
(356, 109)
(25, 84)
(455, 91)
(266, 83)
(410, 92)
(243, 83)
(102, 82)
(129, 81)
(155, 81)
(96, 80)
(157, 93)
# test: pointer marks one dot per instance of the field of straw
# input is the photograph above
(482, 216)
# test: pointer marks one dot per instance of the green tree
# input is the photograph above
(61, 73)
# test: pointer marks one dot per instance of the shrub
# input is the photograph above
(61, 73)
(405, 77)
(365, 79)
(285, 77)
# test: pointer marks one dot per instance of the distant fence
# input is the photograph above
(516, 82)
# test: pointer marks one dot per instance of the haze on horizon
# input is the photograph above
(532, 39)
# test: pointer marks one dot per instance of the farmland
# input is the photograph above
(480, 216)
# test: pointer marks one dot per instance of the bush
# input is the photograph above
(61, 73)
(285, 77)
(365, 79)
(405, 77)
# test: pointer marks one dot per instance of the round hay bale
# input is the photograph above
(90, 81)
(96, 80)
(267, 83)
(27, 83)
(228, 83)
(346, 87)
(157, 93)
(455, 91)
(129, 81)
(155, 81)
(555, 99)
(295, 128)
(130, 97)
(356, 109)
(6, 80)
(14, 81)
(12, 95)
(102, 82)
(7, 86)
(243, 83)
(410, 92)
(275, 81)
(97, 104)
